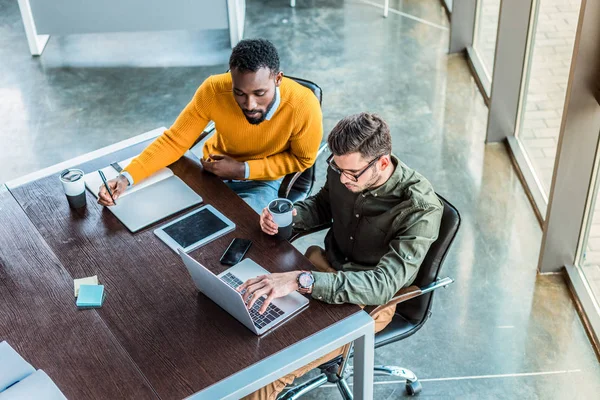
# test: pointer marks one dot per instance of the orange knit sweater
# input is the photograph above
(286, 143)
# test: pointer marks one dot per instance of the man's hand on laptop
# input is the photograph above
(117, 186)
(272, 286)
(267, 224)
(224, 166)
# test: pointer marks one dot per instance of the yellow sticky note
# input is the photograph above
(90, 280)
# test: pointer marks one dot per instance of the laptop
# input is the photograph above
(160, 195)
(221, 289)
(155, 202)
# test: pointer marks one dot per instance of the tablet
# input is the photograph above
(195, 229)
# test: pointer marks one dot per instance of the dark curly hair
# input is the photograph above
(250, 55)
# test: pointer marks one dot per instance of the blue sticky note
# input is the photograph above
(90, 296)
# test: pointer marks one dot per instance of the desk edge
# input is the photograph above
(288, 360)
(56, 168)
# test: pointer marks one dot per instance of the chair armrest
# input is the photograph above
(210, 128)
(299, 234)
(288, 183)
(321, 150)
(290, 179)
(408, 293)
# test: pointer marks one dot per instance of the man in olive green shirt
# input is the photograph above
(383, 215)
(379, 236)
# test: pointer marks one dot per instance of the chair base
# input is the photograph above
(413, 386)
(395, 371)
(294, 392)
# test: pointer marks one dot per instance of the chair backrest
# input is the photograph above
(302, 187)
(418, 309)
(316, 89)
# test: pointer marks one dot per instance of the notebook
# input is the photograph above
(148, 201)
(38, 385)
(13, 367)
(90, 296)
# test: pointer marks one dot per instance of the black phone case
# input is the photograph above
(227, 251)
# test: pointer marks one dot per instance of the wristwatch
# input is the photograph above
(305, 281)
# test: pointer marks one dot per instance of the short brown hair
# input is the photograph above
(365, 133)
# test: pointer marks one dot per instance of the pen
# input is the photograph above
(106, 185)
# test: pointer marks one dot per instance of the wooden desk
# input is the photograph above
(38, 318)
(181, 341)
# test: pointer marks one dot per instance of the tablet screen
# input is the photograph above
(195, 227)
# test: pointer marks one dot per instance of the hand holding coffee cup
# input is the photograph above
(267, 224)
(276, 219)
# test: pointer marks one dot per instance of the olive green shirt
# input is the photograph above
(378, 238)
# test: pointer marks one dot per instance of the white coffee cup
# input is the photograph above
(74, 186)
(281, 210)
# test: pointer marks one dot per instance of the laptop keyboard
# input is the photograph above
(260, 320)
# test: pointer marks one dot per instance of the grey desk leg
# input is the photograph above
(236, 10)
(36, 42)
(364, 360)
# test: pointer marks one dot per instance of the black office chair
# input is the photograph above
(412, 311)
(298, 185)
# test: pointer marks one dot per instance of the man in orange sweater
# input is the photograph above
(267, 126)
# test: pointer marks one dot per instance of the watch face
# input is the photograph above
(305, 280)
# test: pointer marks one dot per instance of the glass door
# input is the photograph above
(551, 39)
(588, 254)
(484, 41)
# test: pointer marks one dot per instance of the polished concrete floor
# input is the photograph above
(501, 331)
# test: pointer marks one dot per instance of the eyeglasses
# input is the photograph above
(349, 175)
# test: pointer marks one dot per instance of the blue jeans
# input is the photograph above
(257, 194)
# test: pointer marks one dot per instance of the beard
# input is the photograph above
(261, 114)
(256, 120)
(354, 188)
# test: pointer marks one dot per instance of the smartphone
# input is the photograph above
(236, 251)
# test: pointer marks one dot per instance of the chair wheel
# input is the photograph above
(413, 388)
